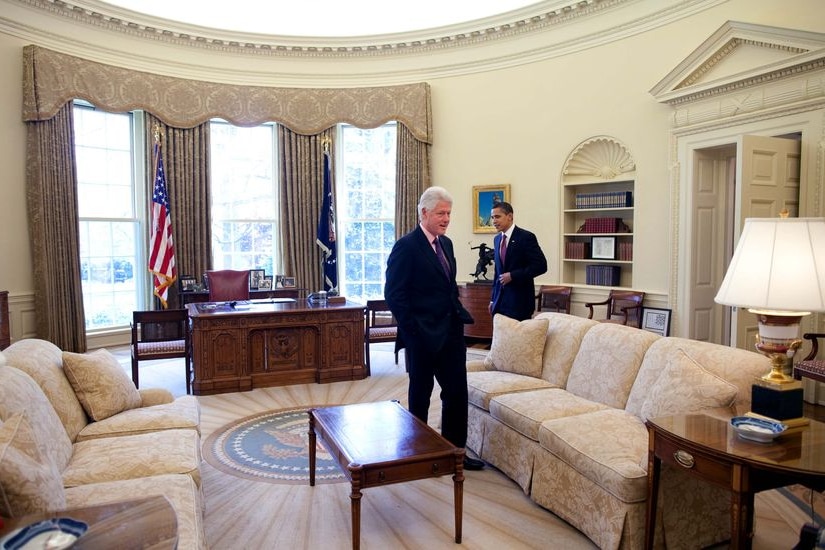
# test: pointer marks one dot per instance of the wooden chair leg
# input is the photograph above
(135, 377)
(367, 356)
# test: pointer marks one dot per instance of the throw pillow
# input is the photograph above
(518, 346)
(28, 483)
(102, 386)
(685, 387)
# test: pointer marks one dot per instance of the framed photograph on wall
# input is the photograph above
(256, 277)
(484, 197)
(656, 320)
(289, 282)
(603, 248)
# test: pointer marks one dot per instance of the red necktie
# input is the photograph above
(441, 257)
(502, 249)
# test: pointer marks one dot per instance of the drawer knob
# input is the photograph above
(382, 476)
(684, 458)
(435, 467)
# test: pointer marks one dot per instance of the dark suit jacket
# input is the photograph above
(423, 300)
(524, 261)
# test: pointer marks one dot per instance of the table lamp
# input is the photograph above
(778, 273)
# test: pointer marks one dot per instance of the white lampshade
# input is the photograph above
(778, 266)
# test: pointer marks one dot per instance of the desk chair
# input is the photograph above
(810, 366)
(160, 334)
(623, 307)
(381, 327)
(227, 285)
(553, 298)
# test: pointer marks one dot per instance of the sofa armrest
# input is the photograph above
(155, 396)
(476, 365)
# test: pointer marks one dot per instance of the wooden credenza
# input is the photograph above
(475, 297)
(258, 345)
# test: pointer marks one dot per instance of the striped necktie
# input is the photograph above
(441, 257)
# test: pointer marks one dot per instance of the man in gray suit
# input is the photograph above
(423, 296)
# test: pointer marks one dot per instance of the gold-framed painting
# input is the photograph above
(484, 197)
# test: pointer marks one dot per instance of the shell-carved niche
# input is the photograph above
(599, 157)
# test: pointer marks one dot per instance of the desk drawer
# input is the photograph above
(396, 473)
(695, 462)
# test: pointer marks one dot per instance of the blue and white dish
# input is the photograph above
(757, 429)
(54, 534)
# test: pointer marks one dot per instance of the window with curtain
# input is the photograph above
(244, 196)
(366, 208)
(109, 221)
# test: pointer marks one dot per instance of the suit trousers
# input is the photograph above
(447, 365)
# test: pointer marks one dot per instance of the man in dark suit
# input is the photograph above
(423, 296)
(514, 293)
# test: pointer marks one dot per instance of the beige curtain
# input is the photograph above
(302, 194)
(51, 192)
(186, 161)
(412, 176)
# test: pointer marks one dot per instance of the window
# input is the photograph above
(365, 209)
(109, 225)
(245, 221)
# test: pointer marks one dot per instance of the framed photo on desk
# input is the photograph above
(256, 278)
(188, 283)
(656, 320)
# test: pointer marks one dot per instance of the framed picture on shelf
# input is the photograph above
(256, 277)
(289, 282)
(603, 248)
(188, 283)
(266, 284)
(484, 197)
(279, 281)
(656, 320)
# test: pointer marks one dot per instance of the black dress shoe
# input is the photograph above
(473, 464)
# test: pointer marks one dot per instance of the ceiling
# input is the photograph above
(321, 18)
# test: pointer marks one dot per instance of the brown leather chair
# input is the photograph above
(553, 298)
(227, 285)
(810, 366)
(623, 307)
(160, 334)
(381, 327)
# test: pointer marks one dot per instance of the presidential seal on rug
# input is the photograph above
(272, 446)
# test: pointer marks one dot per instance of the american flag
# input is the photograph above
(326, 231)
(161, 247)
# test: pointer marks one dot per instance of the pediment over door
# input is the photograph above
(742, 68)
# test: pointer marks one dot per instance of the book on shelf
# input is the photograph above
(576, 250)
(604, 199)
(604, 225)
(603, 275)
(624, 251)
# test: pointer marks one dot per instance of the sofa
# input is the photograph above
(75, 432)
(559, 405)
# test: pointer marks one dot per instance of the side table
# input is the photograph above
(709, 449)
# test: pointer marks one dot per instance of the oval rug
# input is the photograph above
(271, 446)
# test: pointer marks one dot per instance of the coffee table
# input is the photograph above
(382, 443)
(708, 448)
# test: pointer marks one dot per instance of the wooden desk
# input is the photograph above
(254, 345)
(382, 443)
(709, 449)
(145, 523)
(200, 296)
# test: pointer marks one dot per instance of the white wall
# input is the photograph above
(513, 125)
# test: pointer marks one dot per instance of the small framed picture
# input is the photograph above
(603, 248)
(266, 284)
(484, 197)
(188, 283)
(256, 277)
(289, 282)
(656, 320)
(279, 281)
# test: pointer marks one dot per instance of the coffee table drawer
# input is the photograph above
(395, 473)
(686, 457)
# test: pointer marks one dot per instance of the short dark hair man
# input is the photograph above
(518, 261)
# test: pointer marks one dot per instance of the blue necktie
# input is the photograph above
(441, 257)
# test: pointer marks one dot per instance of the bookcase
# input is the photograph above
(598, 202)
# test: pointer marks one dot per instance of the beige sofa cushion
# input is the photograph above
(181, 413)
(564, 336)
(525, 411)
(607, 362)
(517, 346)
(133, 456)
(685, 387)
(605, 447)
(19, 394)
(28, 483)
(43, 361)
(482, 386)
(100, 383)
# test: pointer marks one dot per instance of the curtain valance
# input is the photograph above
(51, 79)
